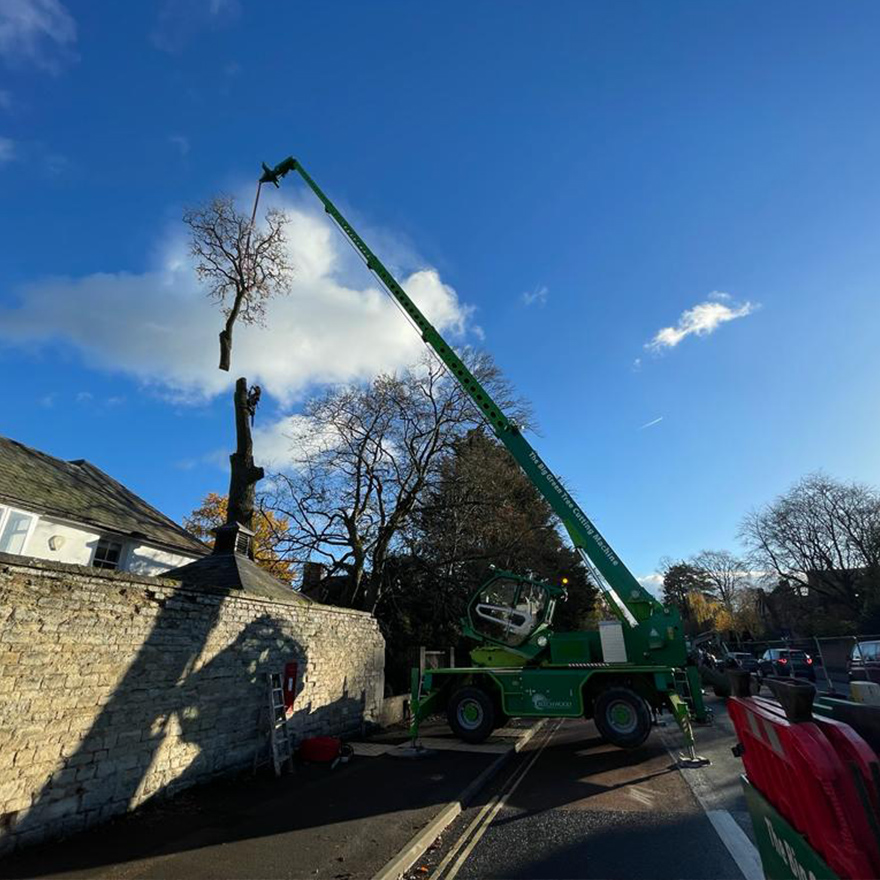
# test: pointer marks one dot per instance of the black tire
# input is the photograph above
(471, 714)
(622, 717)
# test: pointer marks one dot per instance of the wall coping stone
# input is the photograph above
(49, 568)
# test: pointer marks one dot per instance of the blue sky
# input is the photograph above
(568, 179)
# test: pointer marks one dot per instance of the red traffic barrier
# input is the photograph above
(803, 769)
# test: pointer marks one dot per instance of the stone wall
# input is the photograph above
(116, 688)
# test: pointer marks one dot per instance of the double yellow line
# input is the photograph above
(462, 848)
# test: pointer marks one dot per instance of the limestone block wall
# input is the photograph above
(116, 688)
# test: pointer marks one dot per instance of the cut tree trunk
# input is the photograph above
(244, 474)
(225, 349)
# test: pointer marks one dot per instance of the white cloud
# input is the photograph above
(40, 32)
(336, 325)
(651, 423)
(701, 320)
(7, 150)
(292, 436)
(180, 141)
(538, 296)
(653, 583)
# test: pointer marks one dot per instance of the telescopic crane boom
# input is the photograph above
(630, 601)
(651, 632)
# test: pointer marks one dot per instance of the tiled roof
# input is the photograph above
(83, 493)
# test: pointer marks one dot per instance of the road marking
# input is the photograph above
(417, 846)
(735, 840)
(480, 824)
(738, 844)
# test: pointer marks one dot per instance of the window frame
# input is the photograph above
(121, 563)
(5, 511)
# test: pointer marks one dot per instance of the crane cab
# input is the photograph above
(511, 616)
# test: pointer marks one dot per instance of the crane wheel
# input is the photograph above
(471, 714)
(622, 717)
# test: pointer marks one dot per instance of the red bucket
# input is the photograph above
(320, 749)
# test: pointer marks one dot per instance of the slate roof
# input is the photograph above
(232, 571)
(79, 491)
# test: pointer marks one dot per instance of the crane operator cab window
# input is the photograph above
(509, 611)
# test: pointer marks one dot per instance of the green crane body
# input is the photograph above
(544, 673)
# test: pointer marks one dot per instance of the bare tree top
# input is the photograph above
(822, 534)
(240, 263)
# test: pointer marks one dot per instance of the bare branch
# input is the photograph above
(241, 266)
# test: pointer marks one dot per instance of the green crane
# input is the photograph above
(521, 665)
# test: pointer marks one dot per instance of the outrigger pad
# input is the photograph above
(413, 752)
(693, 760)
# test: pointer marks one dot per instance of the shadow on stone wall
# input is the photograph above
(167, 725)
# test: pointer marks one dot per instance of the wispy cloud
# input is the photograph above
(48, 400)
(180, 141)
(5, 99)
(651, 423)
(180, 20)
(55, 164)
(700, 320)
(7, 150)
(38, 32)
(536, 297)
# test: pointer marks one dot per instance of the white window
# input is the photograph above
(15, 530)
(108, 554)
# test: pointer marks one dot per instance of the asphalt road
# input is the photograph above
(584, 809)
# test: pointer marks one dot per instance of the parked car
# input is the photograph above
(786, 662)
(741, 660)
(864, 662)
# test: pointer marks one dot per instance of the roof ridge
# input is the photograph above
(87, 465)
(81, 491)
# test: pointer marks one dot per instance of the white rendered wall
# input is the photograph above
(79, 543)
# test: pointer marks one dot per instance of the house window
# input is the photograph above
(15, 531)
(107, 554)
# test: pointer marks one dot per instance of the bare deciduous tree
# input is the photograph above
(822, 536)
(725, 574)
(241, 264)
(354, 484)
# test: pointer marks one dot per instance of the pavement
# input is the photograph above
(341, 824)
(716, 785)
(566, 805)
